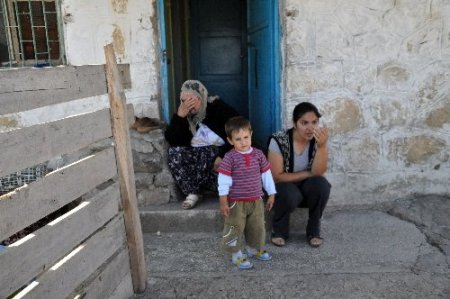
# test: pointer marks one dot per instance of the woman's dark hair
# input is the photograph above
(303, 108)
(235, 124)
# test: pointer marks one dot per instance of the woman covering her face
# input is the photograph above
(299, 159)
(196, 137)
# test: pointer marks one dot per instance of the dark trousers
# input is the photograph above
(312, 193)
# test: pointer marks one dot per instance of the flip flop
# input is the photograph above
(278, 241)
(315, 241)
(190, 201)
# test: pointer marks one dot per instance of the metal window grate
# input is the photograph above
(30, 33)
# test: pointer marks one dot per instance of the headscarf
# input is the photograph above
(197, 88)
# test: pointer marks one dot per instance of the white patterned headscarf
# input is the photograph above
(197, 88)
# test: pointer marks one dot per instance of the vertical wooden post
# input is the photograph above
(124, 159)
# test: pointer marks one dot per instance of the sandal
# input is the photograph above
(278, 241)
(315, 241)
(190, 201)
(261, 255)
(243, 263)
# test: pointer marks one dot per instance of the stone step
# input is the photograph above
(205, 217)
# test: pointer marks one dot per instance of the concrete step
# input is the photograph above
(205, 217)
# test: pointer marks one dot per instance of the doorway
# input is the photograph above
(232, 46)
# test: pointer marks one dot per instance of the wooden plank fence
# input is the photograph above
(94, 249)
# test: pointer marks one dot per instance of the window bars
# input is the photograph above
(30, 33)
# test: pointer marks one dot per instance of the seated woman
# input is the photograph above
(298, 158)
(196, 137)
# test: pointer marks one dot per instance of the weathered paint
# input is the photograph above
(8, 122)
(129, 26)
(118, 41)
(119, 6)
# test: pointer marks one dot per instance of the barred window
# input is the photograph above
(30, 33)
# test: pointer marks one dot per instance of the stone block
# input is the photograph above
(359, 77)
(309, 78)
(144, 180)
(361, 153)
(424, 44)
(389, 110)
(415, 149)
(163, 179)
(140, 144)
(333, 42)
(156, 196)
(393, 76)
(151, 162)
(345, 115)
(433, 85)
(438, 117)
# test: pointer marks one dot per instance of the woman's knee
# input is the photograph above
(288, 195)
(318, 184)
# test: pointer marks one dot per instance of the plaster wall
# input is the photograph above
(380, 73)
(130, 26)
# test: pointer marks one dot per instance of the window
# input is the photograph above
(30, 33)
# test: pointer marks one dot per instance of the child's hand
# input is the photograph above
(217, 162)
(270, 202)
(224, 207)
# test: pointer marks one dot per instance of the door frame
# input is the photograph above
(166, 73)
(276, 42)
(163, 66)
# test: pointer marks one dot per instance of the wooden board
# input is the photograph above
(53, 241)
(121, 134)
(60, 282)
(48, 194)
(114, 278)
(33, 145)
(29, 88)
(124, 289)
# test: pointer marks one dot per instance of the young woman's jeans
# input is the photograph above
(312, 193)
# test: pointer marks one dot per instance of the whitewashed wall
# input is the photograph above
(379, 70)
(130, 26)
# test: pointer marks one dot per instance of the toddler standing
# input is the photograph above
(243, 172)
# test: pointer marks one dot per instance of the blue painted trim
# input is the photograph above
(163, 64)
(277, 65)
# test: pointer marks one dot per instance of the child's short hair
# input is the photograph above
(235, 124)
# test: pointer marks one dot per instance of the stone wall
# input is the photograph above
(380, 73)
(154, 183)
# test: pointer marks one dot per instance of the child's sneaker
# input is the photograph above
(243, 263)
(261, 255)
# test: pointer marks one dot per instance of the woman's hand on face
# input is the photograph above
(321, 136)
(186, 105)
